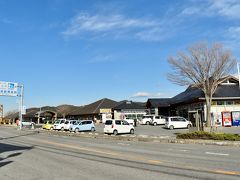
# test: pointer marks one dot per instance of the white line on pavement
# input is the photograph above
(183, 150)
(217, 154)
(124, 144)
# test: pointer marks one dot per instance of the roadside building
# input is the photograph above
(99, 110)
(129, 110)
(225, 109)
(39, 115)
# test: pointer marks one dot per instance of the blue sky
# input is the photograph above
(79, 51)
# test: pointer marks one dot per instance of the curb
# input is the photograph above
(143, 138)
(137, 138)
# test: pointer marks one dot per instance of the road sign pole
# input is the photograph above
(21, 106)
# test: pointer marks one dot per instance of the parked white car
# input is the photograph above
(27, 123)
(152, 119)
(177, 122)
(118, 127)
(68, 124)
(130, 121)
(146, 119)
(59, 124)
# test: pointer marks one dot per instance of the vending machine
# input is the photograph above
(236, 118)
(226, 118)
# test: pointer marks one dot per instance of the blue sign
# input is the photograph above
(8, 89)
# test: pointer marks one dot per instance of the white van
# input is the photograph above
(152, 119)
(158, 120)
(146, 119)
(117, 127)
(68, 124)
(59, 124)
(177, 122)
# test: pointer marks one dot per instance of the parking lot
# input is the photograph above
(161, 131)
(149, 130)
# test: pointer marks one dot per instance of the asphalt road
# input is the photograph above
(31, 155)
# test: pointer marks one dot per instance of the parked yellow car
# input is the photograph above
(48, 125)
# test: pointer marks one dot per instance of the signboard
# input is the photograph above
(1, 110)
(8, 89)
(24, 110)
(236, 118)
(105, 111)
(226, 118)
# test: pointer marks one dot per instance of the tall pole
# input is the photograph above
(21, 106)
(238, 75)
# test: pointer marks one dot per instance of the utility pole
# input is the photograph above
(39, 115)
(21, 106)
(238, 74)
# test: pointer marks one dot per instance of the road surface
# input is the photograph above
(28, 155)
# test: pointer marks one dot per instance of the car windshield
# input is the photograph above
(76, 123)
(108, 122)
(57, 122)
(147, 116)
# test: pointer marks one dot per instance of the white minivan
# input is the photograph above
(153, 119)
(115, 126)
(68, 124)
(59, 124)
(177, 122)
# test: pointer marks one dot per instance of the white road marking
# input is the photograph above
(123, 144)
(183, 150)
(217, 154)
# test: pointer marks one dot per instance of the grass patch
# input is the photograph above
(209, 136)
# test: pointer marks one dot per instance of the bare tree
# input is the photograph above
(204, 67)
(10, 112)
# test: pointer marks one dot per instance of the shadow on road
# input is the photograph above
(6, 148)
(28, 134)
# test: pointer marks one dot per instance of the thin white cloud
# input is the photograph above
(224, 8)
(146, 94)
(155, 34)
(227, 8)
(234, 32)
(115, 25)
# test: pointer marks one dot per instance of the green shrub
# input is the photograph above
(207, 135)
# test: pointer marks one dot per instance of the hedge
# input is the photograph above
(209, 136)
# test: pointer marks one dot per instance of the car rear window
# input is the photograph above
(118, 122)
(108, 122)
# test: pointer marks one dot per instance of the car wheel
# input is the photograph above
(115, 132)
(147, 122)
(155, 124)
(132, 131)
(188, 126)
(92, 129)
(76, 130)
(171, 127)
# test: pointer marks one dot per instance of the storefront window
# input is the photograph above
(214, 103)
(220, 103)
(229, 103)
(237, 102)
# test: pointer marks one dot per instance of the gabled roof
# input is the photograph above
(228, 89)
(189, 95)
(94, 108)
(129, 105)
(159, 102)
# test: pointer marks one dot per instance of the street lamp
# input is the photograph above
(39, 115)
